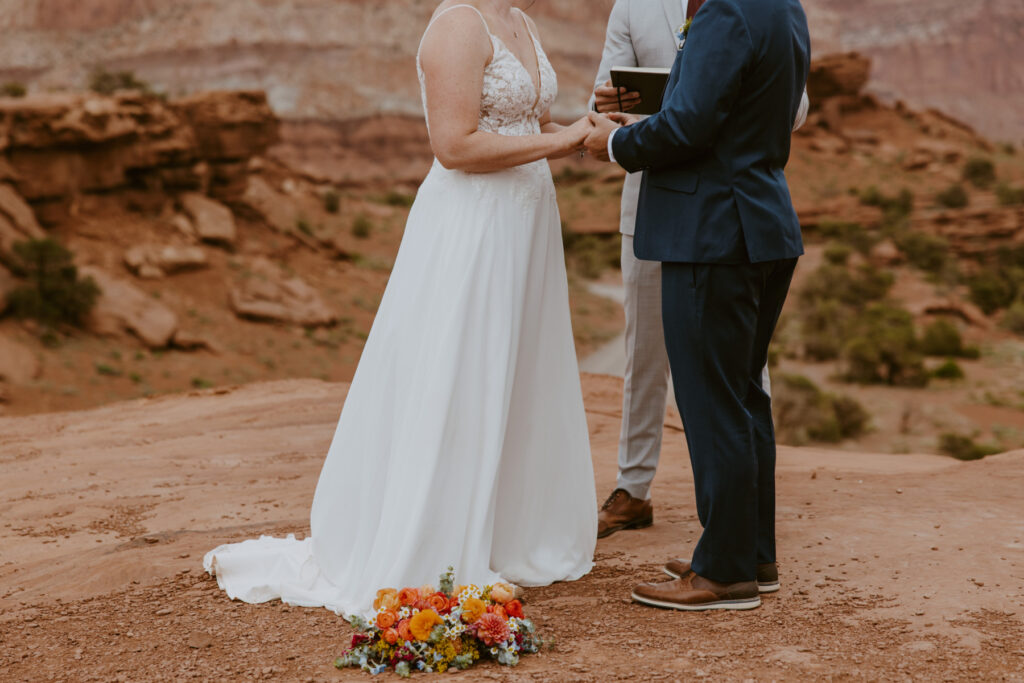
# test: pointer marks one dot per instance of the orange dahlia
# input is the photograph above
(439, 603)
(492, 629)
(390, 636)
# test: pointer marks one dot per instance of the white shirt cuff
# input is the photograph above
(611, 152)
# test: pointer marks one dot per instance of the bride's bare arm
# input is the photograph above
(454, 54)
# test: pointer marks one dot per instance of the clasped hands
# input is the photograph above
(591, 132)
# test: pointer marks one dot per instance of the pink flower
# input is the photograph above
(492, 629)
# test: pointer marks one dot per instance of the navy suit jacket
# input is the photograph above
(714, 190)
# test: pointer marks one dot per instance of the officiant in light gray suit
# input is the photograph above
(642, 33)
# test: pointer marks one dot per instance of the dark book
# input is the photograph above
(650, 82)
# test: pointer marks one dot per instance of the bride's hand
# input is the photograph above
(575, 134)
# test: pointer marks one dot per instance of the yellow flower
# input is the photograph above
(473, 609)
(423, 623)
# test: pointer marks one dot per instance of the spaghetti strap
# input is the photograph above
(449, 9)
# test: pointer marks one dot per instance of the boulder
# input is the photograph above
(123, 306)
(837, 74)
(7, 283)
(275, 208)
(17, 220)
(212, 221)
(269, 295)
(885, 253)
(154, 261)
(18, 363)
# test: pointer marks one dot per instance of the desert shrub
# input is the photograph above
(964, 447)
(804, 413)
(570, 175)
(950, 370)
(332, 201)
(930, 253)
(55, 294)
(979, 172)
(362, 226)
(853, 287)
(398, 199)
(1008, 195)
(942, 338)
(106, 83)
(13, 90)
(1013, 319)
(991, 290)
(852, 234)
(107, 370)
(953, 197)
(823, 326)
(594, 254)
(303, 226)
(894, 208)
(883, 348)
(838, 254)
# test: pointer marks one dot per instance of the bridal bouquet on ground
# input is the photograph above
(427, 629)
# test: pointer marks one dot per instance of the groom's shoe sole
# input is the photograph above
(762, 586)
(626, 527)
(743, 604)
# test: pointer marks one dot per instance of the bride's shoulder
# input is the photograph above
(456, 32)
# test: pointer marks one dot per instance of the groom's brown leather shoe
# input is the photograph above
(767, 574)
(623, 511)
(694, 593)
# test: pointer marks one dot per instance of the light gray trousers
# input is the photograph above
(645, 388)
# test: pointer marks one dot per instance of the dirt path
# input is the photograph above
(894, 566)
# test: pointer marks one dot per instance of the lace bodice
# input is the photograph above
(510, 103)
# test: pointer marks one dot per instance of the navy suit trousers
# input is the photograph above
(719, 320)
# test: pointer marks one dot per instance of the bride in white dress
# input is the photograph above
(463, 440)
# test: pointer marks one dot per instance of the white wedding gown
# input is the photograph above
(463, 439)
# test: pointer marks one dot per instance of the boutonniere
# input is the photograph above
(683, 31)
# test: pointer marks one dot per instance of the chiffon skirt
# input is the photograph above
(463, 440)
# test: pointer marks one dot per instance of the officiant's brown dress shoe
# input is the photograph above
(623, 511)
(767, 574)
(694, 593)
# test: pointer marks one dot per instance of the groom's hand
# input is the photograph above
(597, 142)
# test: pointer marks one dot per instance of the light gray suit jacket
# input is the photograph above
(643, 33)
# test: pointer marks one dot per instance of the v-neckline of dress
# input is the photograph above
(537, 85)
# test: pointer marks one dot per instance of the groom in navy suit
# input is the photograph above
(716, 211)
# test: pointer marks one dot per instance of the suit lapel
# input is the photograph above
(674, 15)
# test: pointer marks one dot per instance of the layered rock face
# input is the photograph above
(345, 59)
(56, 146)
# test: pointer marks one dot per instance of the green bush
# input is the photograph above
(838, 254)
(942, 338)
(303, 226)
(964, 447)
(883, 348)
(953, 197)
(980, 172)
(55, 294)
(853, 287)
(950, 370)
(853, 234)
(804, 413)
(13, 90)
(1013, 319)
(570, 175)
(398, 199)
(1008, 195)
(930, 253)
(823, 327)
(594, 254)
(362, 226)
(332, 201)
(991, 290)
(106, 83)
